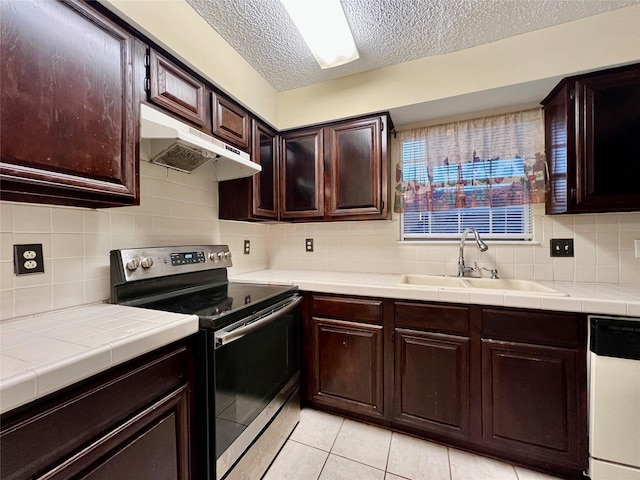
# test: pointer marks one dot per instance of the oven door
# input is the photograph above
(257, 368)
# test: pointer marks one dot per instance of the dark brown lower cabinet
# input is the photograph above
(346, 355)
(534, 387)
(431, 382)
(529, 394)
(349, 360)
(130, 422)
(504, 382)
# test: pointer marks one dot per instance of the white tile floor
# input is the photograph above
(329, 447)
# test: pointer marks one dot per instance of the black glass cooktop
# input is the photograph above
(222, 304)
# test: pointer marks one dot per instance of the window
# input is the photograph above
(482, 173)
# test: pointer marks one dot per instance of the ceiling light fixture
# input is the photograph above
(324, 28)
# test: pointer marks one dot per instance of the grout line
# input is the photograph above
(449, 463)
(324, 465)
(386, 466)
(516, 472)
(336, 437)
(358, 462)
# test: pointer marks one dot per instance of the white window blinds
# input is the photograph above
(482, 173)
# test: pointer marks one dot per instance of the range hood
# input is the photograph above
(174, 144)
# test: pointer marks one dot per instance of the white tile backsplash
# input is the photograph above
(178, 208)
(603, 246)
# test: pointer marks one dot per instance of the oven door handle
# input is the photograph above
(224, 337)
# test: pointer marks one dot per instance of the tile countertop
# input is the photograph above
(608, 299)
(42, 353)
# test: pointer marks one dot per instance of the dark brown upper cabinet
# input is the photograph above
(357, 172)
(69, 126)
(176, 90)
(256, 197)
(336, 171)
(592, 128)
(302, 174)
(230, 122)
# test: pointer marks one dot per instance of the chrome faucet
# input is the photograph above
(463, 270)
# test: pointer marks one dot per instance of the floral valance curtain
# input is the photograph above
(485, 162)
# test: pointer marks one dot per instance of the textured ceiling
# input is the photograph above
(386, 31)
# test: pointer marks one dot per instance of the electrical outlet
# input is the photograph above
(28, 259)
(562, 247)
(247, 247)
(308, 245)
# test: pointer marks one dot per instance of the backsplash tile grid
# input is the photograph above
(178, 208)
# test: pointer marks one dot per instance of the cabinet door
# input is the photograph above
(591, 129)
(230, 122)
(560, 151)
(302, 188)
(152, 445)
(608, 119)
(254, 197)
(530, 402)
(176, 90)
(265, 183)
(431, 382)
(358, 168)
(348, 366)
(69, 126)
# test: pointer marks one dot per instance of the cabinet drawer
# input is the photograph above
(357, 310)
(151, 445)
(55, 429)
(547, 328)
(175, 90)
(444, 319)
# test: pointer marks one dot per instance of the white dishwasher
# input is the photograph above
(614, 398)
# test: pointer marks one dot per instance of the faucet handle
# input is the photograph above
(494, 272)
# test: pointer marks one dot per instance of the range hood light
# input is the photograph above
(325, 30)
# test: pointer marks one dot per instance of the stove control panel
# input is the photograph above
(141, 263)
(187, 258)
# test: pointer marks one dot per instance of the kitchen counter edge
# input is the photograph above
(595, 298)
(46, 352)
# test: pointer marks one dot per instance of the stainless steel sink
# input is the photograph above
(526, 287)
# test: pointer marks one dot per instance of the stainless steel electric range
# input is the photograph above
(247, 355)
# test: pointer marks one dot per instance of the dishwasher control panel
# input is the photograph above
(617, 337)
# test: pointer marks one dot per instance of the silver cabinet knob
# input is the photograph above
(146, 262)
(133, 264)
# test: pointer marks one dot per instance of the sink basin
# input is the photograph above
(520, 286)
(433, 281)
(470, 283)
